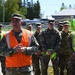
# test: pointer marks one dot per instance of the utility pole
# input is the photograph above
(3, 11)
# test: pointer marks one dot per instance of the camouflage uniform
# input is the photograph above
(36, 58)
(26, 70)
(71, 63)
(64, 53)
(49, 39)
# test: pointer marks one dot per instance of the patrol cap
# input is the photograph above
(29, 25)
(51, 20)
(17, 16)
(66, 23)
(0, 24)
(38, 24)
(60, 23)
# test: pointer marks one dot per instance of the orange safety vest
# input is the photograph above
(18, 59)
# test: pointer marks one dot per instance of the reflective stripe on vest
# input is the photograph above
(7, 40)
(18, 59)
(73, 40)
(29, 37)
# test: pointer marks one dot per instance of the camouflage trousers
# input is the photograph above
(14, 72)
(63, 64)
(71, 65)
(36, 64)
(44, 65)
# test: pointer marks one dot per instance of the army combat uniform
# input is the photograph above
(35, 57)
(71, 63)
(64, 53)
(49, 40)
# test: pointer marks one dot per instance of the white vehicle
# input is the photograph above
(33, 22)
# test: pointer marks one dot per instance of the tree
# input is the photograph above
(63, 7)
(14, 6)
(11, 6)
(1, 2)
(37, 10)
(23, 11)
(20, 3)
(33, 11)
(1, 10)
(70, 6)
(29, 11)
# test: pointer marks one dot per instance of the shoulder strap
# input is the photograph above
(29, 37)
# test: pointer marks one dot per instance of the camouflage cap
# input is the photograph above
(66, 23)
(17, 16)
(51, 20)
(38, 24)
(29, 25)
(60, 23)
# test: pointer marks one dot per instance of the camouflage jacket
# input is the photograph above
(37, 36)
(50, 39)
(65, 40)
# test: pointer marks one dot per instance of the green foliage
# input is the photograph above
(20, 3)
(23, 11)
(29, 11)
(37, 10)
(11, 6)
(1, 2)
(1, 10)
(15, 6)
(63, 7)
(33, 11)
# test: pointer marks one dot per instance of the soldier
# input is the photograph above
(2, 58)
(18, 45)
(36, 57)
(29, 27)
(71, 63)
(64, 52)
(60, 26)
(50, 42)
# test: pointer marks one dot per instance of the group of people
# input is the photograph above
(28, 53)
